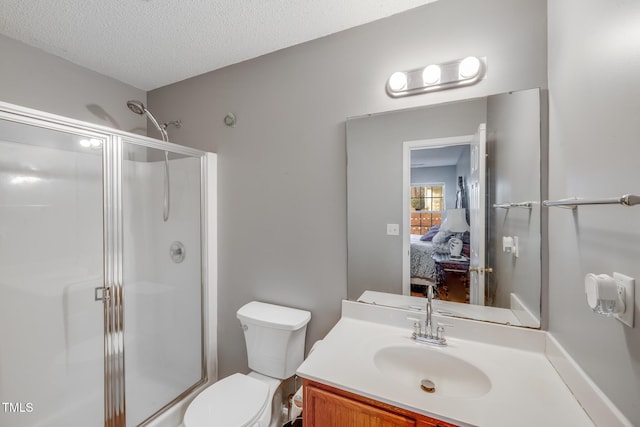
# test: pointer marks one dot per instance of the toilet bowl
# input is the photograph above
(275, 337)
(237, 400)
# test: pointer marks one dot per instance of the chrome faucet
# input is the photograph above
(427, 336)
(428, 327)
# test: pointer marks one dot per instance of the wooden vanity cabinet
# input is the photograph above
(325, 406)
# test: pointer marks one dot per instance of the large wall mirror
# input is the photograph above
(449, 195)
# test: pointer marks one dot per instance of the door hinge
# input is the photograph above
(102, 293)
(481, 270)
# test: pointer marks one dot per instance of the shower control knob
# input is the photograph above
(177, 252)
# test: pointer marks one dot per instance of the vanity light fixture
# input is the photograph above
(448, 75)
(398, 81)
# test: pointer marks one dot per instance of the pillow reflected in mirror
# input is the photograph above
(428, 236)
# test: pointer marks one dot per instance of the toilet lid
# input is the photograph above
(236, 401)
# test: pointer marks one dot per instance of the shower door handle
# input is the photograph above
(102, 293)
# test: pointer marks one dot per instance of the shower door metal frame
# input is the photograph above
(120, 140)
(112, 295)
(114, 384)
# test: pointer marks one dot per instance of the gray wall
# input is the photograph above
(374, 172)
(282, 169)
(513, 133)
(32, 78)
(441, 174)
(594, 129)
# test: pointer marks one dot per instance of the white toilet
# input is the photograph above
(275, 346)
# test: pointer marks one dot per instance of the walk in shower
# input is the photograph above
(102, 302)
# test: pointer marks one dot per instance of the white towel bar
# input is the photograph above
(526, 205)
(626, 200)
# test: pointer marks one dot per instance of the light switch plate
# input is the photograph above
(393, 229)
(629, 285)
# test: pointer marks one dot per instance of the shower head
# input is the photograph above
(136, 106)
(139, 108)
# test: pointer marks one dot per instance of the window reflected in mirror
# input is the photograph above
(427, 205)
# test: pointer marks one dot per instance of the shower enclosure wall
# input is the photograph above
(102, 303)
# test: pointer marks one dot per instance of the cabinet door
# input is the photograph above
(326, 409)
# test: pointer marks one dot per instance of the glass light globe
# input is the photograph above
(469, 67)
(431, 74)
(397, 81)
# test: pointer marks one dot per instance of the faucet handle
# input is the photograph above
(440, 330)
(417, 329)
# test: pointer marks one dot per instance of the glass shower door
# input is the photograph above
(162, 278)
(51, 260)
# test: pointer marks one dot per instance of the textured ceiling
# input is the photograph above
(152, 43)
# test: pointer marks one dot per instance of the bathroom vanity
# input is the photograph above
(368, 369)
(330, 406)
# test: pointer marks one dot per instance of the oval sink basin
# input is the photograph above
(452, 377)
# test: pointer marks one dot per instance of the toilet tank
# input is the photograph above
(275, 337)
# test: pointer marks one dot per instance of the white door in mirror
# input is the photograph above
(611, 296)
(477, 213)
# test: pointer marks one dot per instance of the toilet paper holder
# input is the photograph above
(611, 296)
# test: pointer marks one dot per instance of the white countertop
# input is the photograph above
(525, 388)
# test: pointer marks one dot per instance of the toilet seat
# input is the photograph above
(235, 401)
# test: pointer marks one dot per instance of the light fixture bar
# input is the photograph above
(448, 75)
